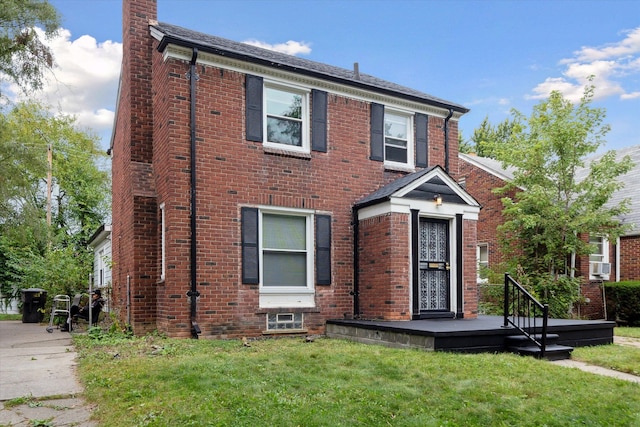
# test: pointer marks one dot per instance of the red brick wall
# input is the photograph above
(479, 184)
(593, 305)
(469, 272)
(630, 258)
(133, 205)
(233, 173)
(385, 262)
(152, 167)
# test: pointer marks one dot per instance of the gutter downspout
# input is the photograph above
(356, 261)
(446, 140)
(618, 259)
(193, 293)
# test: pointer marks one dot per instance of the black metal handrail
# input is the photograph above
(524, 312)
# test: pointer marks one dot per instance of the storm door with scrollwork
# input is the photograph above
(433, 250)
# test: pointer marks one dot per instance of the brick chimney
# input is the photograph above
(134, 206)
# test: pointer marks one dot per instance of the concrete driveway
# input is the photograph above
(41, 366)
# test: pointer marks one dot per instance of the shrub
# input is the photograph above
(491, 299)
(623, 302)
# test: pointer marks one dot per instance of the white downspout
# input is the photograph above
(618, 259)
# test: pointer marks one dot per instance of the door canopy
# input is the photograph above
(431, 191)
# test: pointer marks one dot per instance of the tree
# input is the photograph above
(547, 220)
(488, 138)
(32, 253)
(24, 56)
(464, 146)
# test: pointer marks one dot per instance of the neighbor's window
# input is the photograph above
(598, 242)
(286, 120)
(398, 144)
(482, 255)
(599, 266)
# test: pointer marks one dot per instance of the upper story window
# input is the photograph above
(396, 138)
(286, 118)
(392, 137)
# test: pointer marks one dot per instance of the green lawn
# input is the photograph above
(625, 331)
(287, 382)
(618, 357)
(4, 316)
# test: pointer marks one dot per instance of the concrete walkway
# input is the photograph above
(631, 342)
(39, 367)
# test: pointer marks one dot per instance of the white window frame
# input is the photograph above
(408, 116)
(163, 243)
(305, 131)
(100, 264)
(288, 296)
(479, 262)
(603, 256)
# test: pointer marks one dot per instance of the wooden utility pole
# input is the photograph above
(49, 182)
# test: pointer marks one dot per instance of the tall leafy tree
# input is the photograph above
(547, 220)
(488, 138)
(24, 57)
(32, 253)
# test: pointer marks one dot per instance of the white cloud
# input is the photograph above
(632, 95)
(629, 46)
(610, 65)
(290, 48)
(84, 82)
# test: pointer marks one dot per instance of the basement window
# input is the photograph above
(284, 321)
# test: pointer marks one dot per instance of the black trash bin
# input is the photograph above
(33, 303)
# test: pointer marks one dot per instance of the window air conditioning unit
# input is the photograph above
(600, 268)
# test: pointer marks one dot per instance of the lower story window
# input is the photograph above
(286, 253)
(286, 264)
(284, 250)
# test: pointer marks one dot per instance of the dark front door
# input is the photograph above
(433, 293)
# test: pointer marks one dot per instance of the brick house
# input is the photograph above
(260, 193)
(613, 261)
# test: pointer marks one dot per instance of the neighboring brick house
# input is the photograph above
(613, 261)
(260, 193)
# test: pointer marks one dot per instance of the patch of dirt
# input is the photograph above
(631, 342)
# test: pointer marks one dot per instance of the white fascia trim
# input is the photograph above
(447, 179)
(490, 171)
(426, 207)
(205, 58)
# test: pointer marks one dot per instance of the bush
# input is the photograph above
(491, 299)
(561, 293)
(623, 302)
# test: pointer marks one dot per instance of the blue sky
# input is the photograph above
(490, 56)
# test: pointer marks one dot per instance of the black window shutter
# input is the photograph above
(253, 111)
(323, 249)
(250, 263)
(422, 153)
(319, 121)
(377, 132)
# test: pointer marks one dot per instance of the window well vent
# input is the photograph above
(284, 321)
